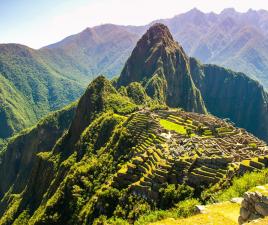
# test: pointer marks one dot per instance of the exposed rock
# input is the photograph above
(244, 213)
(200, 208)
(253, 207)
(237, 200)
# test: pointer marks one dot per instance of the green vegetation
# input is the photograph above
(29, 89)
(23, 218)
(156, 88)
(242, 184)
(173, 126)
(136, 92)
(217, 214)
(152, 63)
(172, 194)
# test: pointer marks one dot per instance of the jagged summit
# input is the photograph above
(162, 66)
(158, 33)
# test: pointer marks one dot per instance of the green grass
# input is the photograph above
(182, 209)
(172, 126)
(263, 189)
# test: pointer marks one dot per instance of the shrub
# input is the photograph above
(137, 93)
(186, 208)
(108, 201)
(172, 194)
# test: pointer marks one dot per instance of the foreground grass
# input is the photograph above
(217, 214)
(183, 209)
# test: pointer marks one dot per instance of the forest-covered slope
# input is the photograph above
(29, 88)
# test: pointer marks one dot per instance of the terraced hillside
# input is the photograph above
(174, 146)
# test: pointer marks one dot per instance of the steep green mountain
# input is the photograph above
(17, 159)
(29, 88)
(163, 68)
(118, 161)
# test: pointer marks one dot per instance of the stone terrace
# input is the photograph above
(174, 146)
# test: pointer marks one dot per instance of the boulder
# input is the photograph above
(237, 200)
(253, 206)
(264, 199)
(200, 208)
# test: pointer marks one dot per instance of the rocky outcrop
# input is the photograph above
(254, 206)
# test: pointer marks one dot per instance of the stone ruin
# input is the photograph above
(212, 152)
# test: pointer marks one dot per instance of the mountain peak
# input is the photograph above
(158, 32)
(195, 11)
(146, 56)
(157, 35)
(162, 66)
(91, 103)
(228, 11)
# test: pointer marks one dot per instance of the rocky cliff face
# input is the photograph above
(233, 95)
(163, 68)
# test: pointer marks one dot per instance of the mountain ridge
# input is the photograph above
(226, 38)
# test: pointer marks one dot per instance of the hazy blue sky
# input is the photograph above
(40, 22)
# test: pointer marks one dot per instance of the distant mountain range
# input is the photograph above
(44, 80)
(232, 39)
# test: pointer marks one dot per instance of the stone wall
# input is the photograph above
(253, 206)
